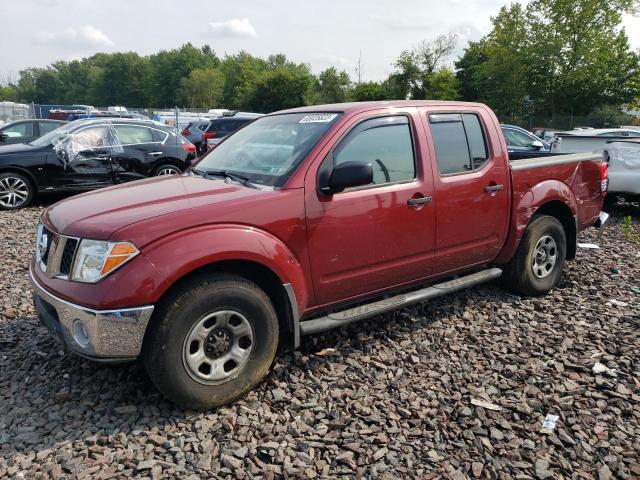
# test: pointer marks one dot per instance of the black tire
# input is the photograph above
(14, 186)
(165, 344)
(158, 171)
(520, 273)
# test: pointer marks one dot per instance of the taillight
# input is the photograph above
(185, 132)
(604, 177)
(208, 135)
(189, 147)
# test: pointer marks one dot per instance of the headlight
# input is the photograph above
(95, 259)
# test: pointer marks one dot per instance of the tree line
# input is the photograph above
(552, 57)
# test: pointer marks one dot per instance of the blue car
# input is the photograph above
(520, 140)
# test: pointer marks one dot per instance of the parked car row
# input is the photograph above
(206, 134)
(88, 154)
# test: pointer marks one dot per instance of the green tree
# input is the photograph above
(169, 67)
(122, 79)
(369, 91)
(331, 86)
(240, 73)
(442, 85)
(280, 88)
(415, 68)
(568, 57)
(9, 93)
(590, 61)
(203, 88)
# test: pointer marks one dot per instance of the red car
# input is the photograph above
(302, 221)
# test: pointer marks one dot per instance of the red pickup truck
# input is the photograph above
(302, 221)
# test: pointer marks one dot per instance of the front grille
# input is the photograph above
(68, 253)
(55, 253)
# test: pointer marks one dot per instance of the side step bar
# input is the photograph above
(344, 317)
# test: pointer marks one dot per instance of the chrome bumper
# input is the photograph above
(102, 335)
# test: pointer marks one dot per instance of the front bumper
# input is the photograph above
(102, 335)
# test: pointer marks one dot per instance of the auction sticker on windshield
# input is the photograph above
(318, 118)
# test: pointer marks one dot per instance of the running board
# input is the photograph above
(344, 317)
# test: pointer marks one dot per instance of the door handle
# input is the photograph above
(493, 188)
(155, 154)
(419, 201)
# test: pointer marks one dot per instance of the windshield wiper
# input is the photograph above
(243, 179)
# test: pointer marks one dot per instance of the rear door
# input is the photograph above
(375, 237)
(139, 153)
(471, 179)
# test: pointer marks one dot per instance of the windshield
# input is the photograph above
(269, 149)
(54, 136)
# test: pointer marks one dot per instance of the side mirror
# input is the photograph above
(4, 137)
(537, 144)
(348, 174)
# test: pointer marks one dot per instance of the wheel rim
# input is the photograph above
(13, 192)
(168, 171)
(545, 256)
(217, 347)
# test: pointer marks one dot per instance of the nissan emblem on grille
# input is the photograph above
(43, 243)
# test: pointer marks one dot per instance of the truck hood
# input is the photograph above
(100, 213)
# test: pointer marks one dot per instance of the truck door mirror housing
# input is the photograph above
(346, 175)
(537, 144)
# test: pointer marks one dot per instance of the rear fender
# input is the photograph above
(527, 204)
(181, 253)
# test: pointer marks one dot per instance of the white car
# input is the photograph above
(623, 157)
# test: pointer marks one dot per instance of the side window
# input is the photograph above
(93, 137)
(385, 143)
(133, 134)
(46, 127)
(158, 136)
(450, 142)
(20, 130)
(515, 138)
(475, 137)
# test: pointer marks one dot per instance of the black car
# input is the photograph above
(26, 130)
(88, 154)
(221, 127)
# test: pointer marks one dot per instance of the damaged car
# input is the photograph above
(88, 154)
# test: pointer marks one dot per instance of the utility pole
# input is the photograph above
(359, 68)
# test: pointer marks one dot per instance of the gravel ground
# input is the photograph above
(394, 397)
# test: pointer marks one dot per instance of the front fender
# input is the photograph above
(525, 205)
(179, 254)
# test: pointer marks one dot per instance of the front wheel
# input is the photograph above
(16, 191)
(537, 266)
(212, 341)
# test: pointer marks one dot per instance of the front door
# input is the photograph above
(83, 159)
(370, 238)
(471, 190)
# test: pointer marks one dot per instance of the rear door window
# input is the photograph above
(459, 141)
(133, 134)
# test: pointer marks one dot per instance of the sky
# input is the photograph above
(324, 33)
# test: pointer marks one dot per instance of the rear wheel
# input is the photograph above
(537, 266)
(16, 191)
(166, 169)
(212, 341)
